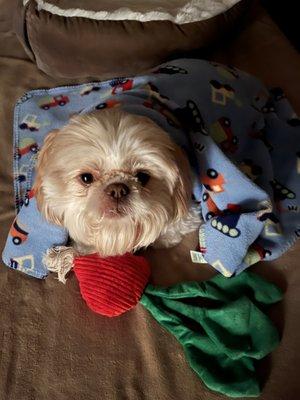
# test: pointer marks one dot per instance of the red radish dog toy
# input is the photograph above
(111, 286)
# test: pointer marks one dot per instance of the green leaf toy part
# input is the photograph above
(221, 342)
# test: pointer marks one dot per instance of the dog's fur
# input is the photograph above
(114, 147)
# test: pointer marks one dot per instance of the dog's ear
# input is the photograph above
(41, 167)
(183, 186)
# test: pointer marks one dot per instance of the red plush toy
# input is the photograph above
(113, 285)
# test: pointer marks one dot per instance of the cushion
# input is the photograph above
(105, 39)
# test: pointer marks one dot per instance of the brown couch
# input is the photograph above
(53, 347)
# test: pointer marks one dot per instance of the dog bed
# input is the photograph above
(112, 38)
(177, 11)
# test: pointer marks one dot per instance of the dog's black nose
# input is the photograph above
(117, 190)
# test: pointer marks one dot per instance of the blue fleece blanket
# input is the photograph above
(242, 140)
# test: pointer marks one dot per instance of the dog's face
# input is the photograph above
(114, 180)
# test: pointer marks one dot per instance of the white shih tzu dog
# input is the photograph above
(117, 182)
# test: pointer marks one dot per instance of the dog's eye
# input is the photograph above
(143, 177)
(87, 178)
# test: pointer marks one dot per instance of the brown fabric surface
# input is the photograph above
(262, 49)
(79, 47)
(53, 347)
(9, 45)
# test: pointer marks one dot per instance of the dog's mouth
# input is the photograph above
(116, 211)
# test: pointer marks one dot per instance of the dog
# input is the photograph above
(117, 182)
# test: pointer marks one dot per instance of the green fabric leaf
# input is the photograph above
(221, 340)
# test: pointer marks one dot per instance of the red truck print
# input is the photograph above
(27, 145)
(18, 233)
(107, 104)
(256, 253)
(213, 181)
(122, 85)
(213, 210)
(48, 102)
(29, 195)
(260, 251)
(222, 134)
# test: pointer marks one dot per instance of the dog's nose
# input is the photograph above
(117, 190)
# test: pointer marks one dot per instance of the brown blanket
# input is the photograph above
(53, 347)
